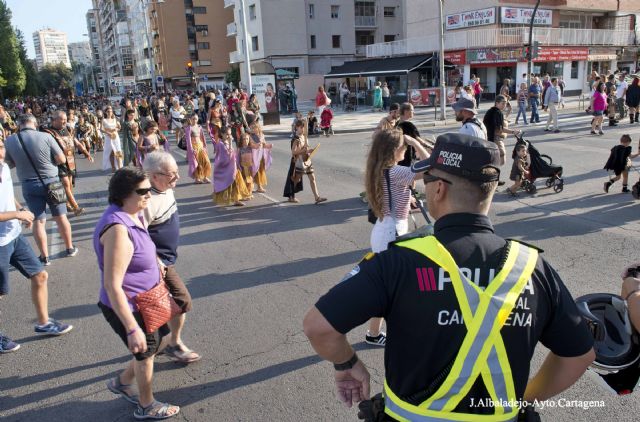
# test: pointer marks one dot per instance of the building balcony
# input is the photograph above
(235, 57)
(229, 3)
(232, 29)
(503, 37)
(365, 21)
(361, 50)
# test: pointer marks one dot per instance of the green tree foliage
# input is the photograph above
(233, 76)
(55, 77)
(33, 87)
(10, 63)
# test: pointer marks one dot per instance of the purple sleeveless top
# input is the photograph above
(142, 273)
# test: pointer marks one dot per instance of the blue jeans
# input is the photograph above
(522, 109)
(535, 117)
(18, 254)
(35, 195)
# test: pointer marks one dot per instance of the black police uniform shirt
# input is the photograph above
(493, 121)
(425, 327)
(409, 129)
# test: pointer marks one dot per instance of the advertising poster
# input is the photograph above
(519, 15)
(430, 96)
(472, 18)
(264, 86)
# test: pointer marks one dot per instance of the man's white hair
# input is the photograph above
(157, 161)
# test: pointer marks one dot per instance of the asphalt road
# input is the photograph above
(254, 271)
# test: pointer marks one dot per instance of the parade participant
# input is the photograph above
(452, 341)
(300, 165)
(112, 156)
(228, 186)
(496, 126)
(67, 171)
(72, 121)
(261, 157)
(214, 120)
(598, 106)
(552, 99)
(245, 161)
(633, 99)
(177, 113)
(84, 133)
(130, 138)
(36, 156)
(99, 138)
(467, 114)
(619, 162)
(163, 224)
(128, 265)
(253, 107)
(388, 189)
(15, 251)
(199, 164)
(144, 112)
(239, 120)
(7, 125)
(149, 142)
(519, 170)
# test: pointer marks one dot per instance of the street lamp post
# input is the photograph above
(145, 4)
(246, 46)
(530, 49)
(443, 82)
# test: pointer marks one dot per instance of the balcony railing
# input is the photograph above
(229, 3)
(235, 57)
(503, 37)
(365, 21)
(361, 50)
(232, 30)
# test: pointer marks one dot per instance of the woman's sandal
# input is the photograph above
(116, 387)
(182, 354)
(320, 200)
(156, 410)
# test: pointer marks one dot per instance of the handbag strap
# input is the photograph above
(387, 178)
(29, 157)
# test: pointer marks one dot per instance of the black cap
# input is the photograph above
(462, 155)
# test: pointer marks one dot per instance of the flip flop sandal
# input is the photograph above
(320, 200)
(116, 387)
(156, 410)
(181, 354)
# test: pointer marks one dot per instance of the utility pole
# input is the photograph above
(152, 74)
(443, 82)
(530, 50)
(247, 60)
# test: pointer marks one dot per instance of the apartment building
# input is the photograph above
(51, 47)
(188, 31)
(309, 37)
(80, 52)
(486, 38)
(95, 43)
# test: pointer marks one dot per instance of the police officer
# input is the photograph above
(465, 308)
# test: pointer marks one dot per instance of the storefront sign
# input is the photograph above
(560, 54)
(471, 18)
(520, 15)
(455, 57)
(430, 96)
(492, 55)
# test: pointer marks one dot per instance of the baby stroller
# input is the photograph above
(350, 102)
(541, 165)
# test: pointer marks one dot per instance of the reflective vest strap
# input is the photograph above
(406, 412)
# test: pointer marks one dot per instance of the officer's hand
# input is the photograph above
(353, 384)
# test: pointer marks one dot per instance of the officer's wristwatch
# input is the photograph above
(346, 365)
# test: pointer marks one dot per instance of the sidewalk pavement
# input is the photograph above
(364, 120)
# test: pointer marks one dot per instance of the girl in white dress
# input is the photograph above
(112, 156)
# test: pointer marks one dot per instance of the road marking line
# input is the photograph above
(268, 198)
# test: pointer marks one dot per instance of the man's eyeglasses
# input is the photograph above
(428, 178)
(143, 191)
(171, 175)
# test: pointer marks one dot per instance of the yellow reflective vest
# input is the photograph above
(482, 353)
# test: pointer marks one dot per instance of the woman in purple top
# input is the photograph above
(598, 105)
(128, 266)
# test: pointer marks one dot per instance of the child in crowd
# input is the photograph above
(325, 121)
(261, 157)
(199, 164)
(313, 123)
(519, 170)
(84, 133)
(523, 96)
(228, 186)
(245, 164)
(619, 162)
(297, 116)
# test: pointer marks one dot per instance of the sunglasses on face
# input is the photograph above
(428, 178)
(143, 191)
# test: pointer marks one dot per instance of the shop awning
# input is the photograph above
(384, 67)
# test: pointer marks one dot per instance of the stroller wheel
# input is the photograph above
(549, 182)
(558, 186)
(531, 188)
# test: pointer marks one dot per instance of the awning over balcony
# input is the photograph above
(384, 67)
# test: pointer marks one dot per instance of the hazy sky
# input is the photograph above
(63, 15)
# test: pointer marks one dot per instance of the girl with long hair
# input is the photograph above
(199, 164)
(112, 157)
(383, 176)
(214, 120)
(261, 157)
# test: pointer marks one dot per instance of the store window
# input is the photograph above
(574, 69)
(552, 68)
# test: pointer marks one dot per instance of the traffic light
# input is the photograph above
(190, 68)
(525, 52)
(536, 50)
